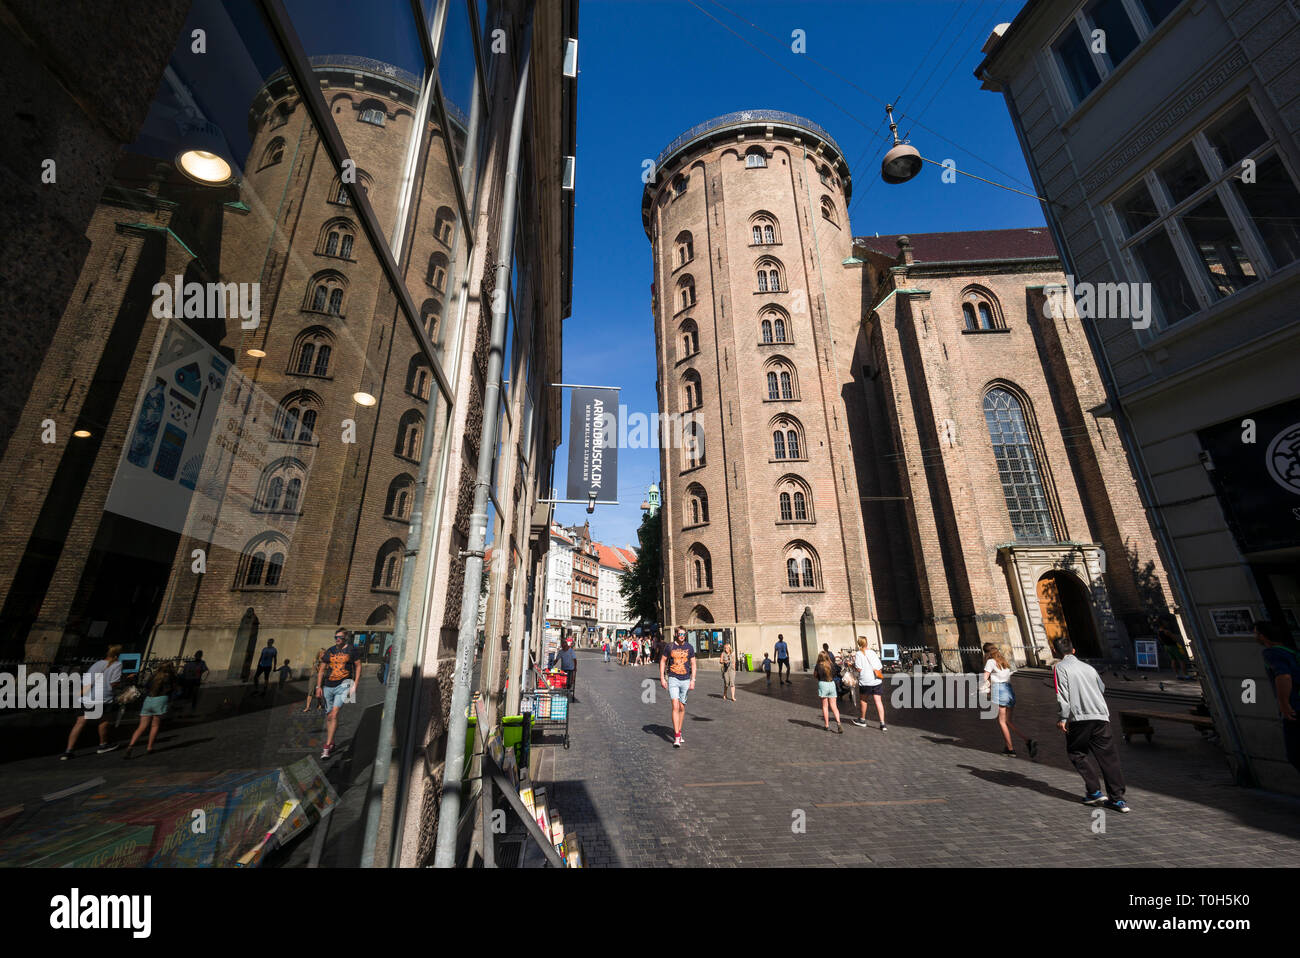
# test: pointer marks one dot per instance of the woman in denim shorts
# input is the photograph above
(156, 700)
(825, 673)
(997, 673)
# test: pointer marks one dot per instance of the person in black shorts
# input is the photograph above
(266, 665)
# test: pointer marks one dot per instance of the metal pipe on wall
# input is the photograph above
(457, 721)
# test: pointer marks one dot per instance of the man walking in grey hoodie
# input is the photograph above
(1085, 720)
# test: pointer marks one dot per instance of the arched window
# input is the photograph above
(280, 488)
(437, 274)
(787, 439)
(372, 114)
(697, 505)
(701, 616)
(763, 229)
(775, 325)
(326, 293)
(980, 309)
(261, 564)
(444, 225)
(699, 569)
(692, 445)
(679, 186)
(686, 292)
(755, 158)
(802, 567)
(685, 244)
(780, 379)
(410, 435)
(767, 331)
(692, 393)
(295, 419)
(312, 352)
(769, 276)
(793, 499)
(340, 193)
(690, 336)
(825, 175)
(1018, 468)
(431, 316)
(778, 330)
(336, 238)
(418, 377)
(401, 491)
(274, 152)
(828, 210)
(388, 567)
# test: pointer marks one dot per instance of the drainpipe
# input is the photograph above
(1182, 589)
(444, 855)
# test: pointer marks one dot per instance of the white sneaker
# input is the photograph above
(677, 741)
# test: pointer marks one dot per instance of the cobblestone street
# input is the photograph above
(932, 790)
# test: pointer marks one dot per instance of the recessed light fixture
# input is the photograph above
(257, 353)
(364, 399)
(205, 167)
(82, 433)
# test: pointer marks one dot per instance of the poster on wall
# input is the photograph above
(1233, 622)
(204, 441)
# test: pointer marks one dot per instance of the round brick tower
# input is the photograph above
(747, 217)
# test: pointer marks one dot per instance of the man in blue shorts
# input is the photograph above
(340, 673)
(782, 661)
(677, 675)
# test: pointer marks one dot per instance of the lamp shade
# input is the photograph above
(900, 164)
(203, 155)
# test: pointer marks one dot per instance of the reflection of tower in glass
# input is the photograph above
(146, 426)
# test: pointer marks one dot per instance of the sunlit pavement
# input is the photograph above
(760, 783)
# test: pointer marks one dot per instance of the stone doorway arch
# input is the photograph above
(1067, 610)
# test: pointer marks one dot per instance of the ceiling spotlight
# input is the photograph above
(257, 353)
(82, 433)
(364, 399)
(902, 162)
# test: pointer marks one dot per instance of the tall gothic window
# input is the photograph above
(1022, 483)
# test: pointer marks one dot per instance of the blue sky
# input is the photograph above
(650, 70)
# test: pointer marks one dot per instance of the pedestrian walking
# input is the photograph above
(191, 678)
(728, 662)
(265, 666)
(871, 683)
(767, 669)
(997, 682)
(1085, 720)
(569, 664)
(677, 675)
(781, 652)
(605, 651)
(1176, 652)
(284, 671)
(1282, 663)
(339, 674)
(824, 672)
(313, 690)
(157, 698)
(98, 692)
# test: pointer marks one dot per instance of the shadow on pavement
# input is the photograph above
(1016, 780)
(663, 731)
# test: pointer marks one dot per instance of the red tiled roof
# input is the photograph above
(966, 245)
(612, 557)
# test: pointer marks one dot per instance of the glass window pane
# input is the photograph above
(1274, 207)
(1076, 64)
(1110, 17)
(1182, 174)
(458, 75)
(1156, 257)
(1157, 10)
(364, 73)
(1226, 264)
(1136, 209)
(1022, 484)
(1236, 135)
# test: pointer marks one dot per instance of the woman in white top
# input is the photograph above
(997, 673)
(871, 683)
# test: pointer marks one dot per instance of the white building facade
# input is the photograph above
(559, 578)
(612, 615)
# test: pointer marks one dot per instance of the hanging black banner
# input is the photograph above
(593, 444)
(1259, 481)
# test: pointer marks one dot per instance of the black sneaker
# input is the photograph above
(859, 723)
(65, 756)
(1032, 745)
(884, 727)
(105, 748)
